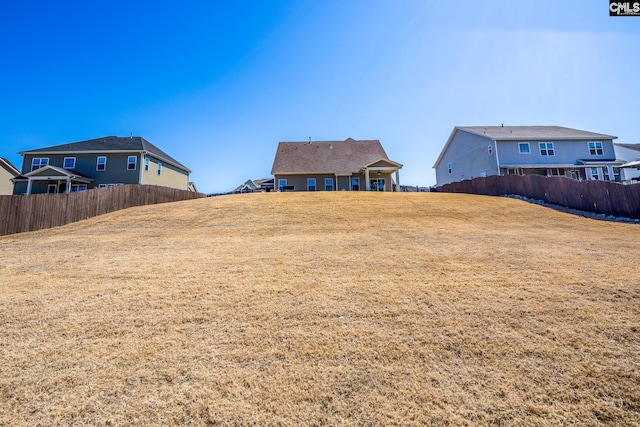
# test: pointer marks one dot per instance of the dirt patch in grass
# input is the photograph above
(323, 309)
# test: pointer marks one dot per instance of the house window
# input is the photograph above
(490, 149)
(80, 187)
(524, 148)
(595, 149)
(146, 163)
(355, 184)
(449, 167)
(38, 163)
(101, 164)
(69, 163)
(311, 184)
(132, 161)
(594, 173)
(159, 168)
(281, 184)
(605, 173)
(546, 149)
(328, 184)
(616, 174)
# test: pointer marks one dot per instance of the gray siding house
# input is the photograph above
(98, 163)
(349, 165)
(630, 153)
(475, 151)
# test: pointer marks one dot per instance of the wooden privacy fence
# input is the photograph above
(39, 211)
(601, 197)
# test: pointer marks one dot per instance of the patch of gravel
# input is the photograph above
(593, 215)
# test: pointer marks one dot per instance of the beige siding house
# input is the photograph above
(98, 163)
(348, 165)
(7, 173)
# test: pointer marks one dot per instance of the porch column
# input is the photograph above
(68, 185)
(29, 184)
(398, 180)
(366, 180)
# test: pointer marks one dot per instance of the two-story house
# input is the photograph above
(98, 163)
(476, 151)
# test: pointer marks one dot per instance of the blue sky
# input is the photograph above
(217, 84)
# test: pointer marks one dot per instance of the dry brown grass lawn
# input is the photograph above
(323, 309)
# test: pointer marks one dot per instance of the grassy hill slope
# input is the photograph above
(325, 308)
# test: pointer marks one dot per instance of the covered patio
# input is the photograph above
(52, 179)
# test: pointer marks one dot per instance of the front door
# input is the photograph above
(52, 188)
(377, 184)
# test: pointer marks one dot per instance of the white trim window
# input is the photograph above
(132, 163)
(39, 162)
(546, 149)
(281, 184)
(490, 149)
(159, 168)
(616, 174)
(146, 163)
(311, 184)
(69, 163)
(79, 187)
(605, 173)
(101, 163)
(595, 149)
(449, 168)
(328, 184)
(355, 184)
(524, 148)
(594, 173)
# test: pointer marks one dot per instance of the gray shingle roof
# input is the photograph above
(635, 147)
(347, 156)
(110, 143)
(520, 133)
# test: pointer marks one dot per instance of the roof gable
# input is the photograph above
(49, 171)
(8, 166)
(348, 156)
(110, 143)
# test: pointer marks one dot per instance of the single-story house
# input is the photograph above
(252, 186)
(630, 153)
(351, 165)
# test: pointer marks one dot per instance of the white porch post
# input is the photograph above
(29, 185)
(398, 180)
(68, 185)
(366, 179)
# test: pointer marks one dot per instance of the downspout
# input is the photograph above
(495, 143)
(140, 166)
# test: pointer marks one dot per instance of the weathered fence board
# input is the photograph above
(602, 197)
(39, 211)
